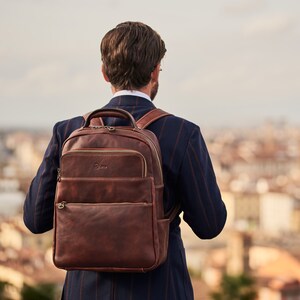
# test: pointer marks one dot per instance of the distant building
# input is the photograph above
(276, 213)
(238, 247)
(24, 259)
(279, 279)
(243, 209)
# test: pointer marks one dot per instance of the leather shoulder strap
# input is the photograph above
(150, 117)
(142, 123)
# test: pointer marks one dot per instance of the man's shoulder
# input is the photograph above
(186, 122)
(174, 121)
(174, 131)
(65, 127)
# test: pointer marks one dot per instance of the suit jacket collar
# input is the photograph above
(128, 100)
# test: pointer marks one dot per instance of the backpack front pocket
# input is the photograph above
(108, 235)
(104, 163)
(105, 190)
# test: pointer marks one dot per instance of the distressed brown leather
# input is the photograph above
(109, 213)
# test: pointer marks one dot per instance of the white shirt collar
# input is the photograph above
(131, 93)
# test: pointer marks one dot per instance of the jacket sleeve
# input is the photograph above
(203, 208)
(39, 203)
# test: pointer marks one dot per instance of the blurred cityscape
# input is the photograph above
(258, 171)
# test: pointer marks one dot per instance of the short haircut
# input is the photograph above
(130, 52)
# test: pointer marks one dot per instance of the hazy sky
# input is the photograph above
(229, 62)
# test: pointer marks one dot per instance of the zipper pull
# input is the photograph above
(61, 205)
(58, 175)
(110, 128)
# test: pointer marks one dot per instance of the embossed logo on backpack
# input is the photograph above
(100, 165)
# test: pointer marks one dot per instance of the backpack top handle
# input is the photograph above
(110, 112)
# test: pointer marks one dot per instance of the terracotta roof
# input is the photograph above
(285, 267)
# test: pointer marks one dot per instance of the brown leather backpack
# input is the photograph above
(109, 213)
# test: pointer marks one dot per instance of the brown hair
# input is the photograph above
(130, 52)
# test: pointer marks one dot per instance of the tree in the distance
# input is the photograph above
(39, 292)
(240, 287)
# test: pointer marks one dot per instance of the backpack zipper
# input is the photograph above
(58, 174)
(109, 128)
(63, 204)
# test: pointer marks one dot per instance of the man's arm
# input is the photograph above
(203, 208)
(39, 202)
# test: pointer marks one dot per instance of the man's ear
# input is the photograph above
(155, 73)
(104, 74)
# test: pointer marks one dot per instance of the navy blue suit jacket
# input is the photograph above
(188, 178)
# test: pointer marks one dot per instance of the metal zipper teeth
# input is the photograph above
(63, 204)
(81, 131)
(61, 178)
(145, 168)
(101, 178)
(106, 203)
